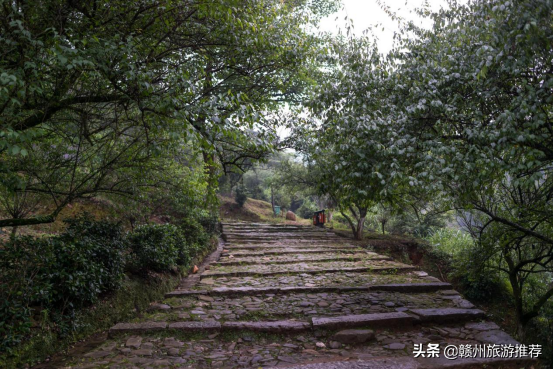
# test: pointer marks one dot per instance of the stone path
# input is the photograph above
(300, 297)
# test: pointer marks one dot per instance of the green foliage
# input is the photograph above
(15, 324)
(240, 195)
(134, 296)
(307, 209)
(460, 112)
(107, 242)
(60, 274)
(89, 110)
(156, 247)
(196, 232)
(451, 241)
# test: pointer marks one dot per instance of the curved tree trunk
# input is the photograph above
(356, 228)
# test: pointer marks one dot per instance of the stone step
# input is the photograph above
(390, 320)
(302, 305)
(273, 227)
(287, 239)
(365, 269)
(290, 246)
(281, 326)
(381, 320)
(279, 238)
(268, 231)
(398, 287)
(313, 280)
(238, 261)
(273, 230)
(449, 315)
(319, 349)
(277, 251)
(277, 233)
(285, 310)
(254, 224)
(391, 362)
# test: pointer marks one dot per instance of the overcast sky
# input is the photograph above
(365, 13)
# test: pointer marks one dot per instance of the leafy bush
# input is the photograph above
(468, 264)
(209, 222)
(156, 247)
(107, 244)
(15, 321)
(240, 195)
(451, 241)
(57, 274)
(306, 210)
(423, 226)
(196, 231)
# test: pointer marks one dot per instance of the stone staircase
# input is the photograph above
(301, 297)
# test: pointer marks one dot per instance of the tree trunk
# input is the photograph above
(359, 230)
(273, 201)
(209, 163)
(14, 233)
(521, 331)
(352, 226)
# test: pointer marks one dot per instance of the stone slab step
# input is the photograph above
(374, 269)
(419, 363)
(281, 239)
(277, 239)
(253, 233)
(281, 235)
(398, 287)
(235, 227)
(248, 224)
(195, 326)
(137, 327)
(293, 247)
(281, 326)
(276, 251)
(448, 315)
(380, 320)
(376, 363)
(237, 261)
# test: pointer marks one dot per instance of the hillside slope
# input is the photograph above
(253, 211)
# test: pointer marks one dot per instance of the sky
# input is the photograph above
(365, 13)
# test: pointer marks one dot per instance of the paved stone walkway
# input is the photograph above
(300, 297)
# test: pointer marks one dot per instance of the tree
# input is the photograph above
(97, 87)
(350, 147)
(461, 110)
(477, 111)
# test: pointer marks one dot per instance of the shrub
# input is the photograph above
(240, 195)
(451, 241)
(196, 232)
(209, 222)
(155, 247)
(306, 210)
(422, 226)
(468, 263)
(106, 242)
(57, 275)
(15, 321)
